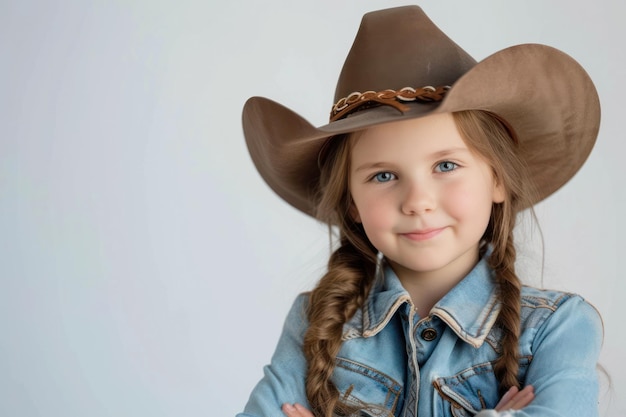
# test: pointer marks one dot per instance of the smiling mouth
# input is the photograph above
(422, 235)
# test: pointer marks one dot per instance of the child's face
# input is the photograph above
(423, 197)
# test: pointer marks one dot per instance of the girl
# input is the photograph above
(427, 160)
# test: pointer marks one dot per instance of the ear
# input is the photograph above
(499, 193)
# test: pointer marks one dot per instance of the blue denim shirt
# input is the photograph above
(395, 363)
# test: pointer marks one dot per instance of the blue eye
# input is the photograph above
(384, 177)
(446, 166)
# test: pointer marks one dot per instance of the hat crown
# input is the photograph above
(397, 48)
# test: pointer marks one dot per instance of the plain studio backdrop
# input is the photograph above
(145, 267)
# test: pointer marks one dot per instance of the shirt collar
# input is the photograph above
(470, 309)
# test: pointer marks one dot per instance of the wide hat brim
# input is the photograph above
(545, 97)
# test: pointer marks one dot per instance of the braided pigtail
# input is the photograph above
(488, 136)
(345, 286)
(502, 261)
(332, 303)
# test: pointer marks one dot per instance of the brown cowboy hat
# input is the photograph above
(401, 66)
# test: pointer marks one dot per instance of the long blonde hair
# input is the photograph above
(352, 266)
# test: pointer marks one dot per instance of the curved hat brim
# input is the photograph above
(545, 96)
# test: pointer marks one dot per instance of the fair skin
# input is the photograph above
(424, 200)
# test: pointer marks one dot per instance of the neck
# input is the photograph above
(426, 288)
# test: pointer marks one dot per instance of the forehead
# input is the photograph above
(427, 135)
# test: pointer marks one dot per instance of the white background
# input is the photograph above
(145, 268)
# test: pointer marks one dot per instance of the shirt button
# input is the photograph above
(429, 334)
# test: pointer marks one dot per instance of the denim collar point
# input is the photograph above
(470, 309)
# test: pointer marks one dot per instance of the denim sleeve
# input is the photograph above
(563, 369)
(284, 377)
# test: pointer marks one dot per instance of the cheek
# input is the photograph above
(469, 203)
(377, 229)
(374, 214)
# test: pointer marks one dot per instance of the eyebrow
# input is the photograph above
(435, 155)
(372, 165)
(447, 152)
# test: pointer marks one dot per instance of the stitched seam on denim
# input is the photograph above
(539, 306)
(546, 301)
(351, 334)
(364, 408)
(366, 314)
(386, 318)
(494, 304)
(374, 374)
(486, 367)
(457, 411)
(455, 398)
(494, 346)
(368, 310)
(473, 339)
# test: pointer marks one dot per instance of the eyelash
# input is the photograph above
(374, 177)
(454, 166)
(439, 164)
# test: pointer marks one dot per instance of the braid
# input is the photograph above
(332, 303)
(343, 289)
(502, 261)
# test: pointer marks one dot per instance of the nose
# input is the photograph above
(418, 198)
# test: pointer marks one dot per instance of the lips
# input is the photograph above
(423, 234)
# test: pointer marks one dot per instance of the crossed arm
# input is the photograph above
(514, 399)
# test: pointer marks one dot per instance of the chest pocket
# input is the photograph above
(469, 391)
(370, 392)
